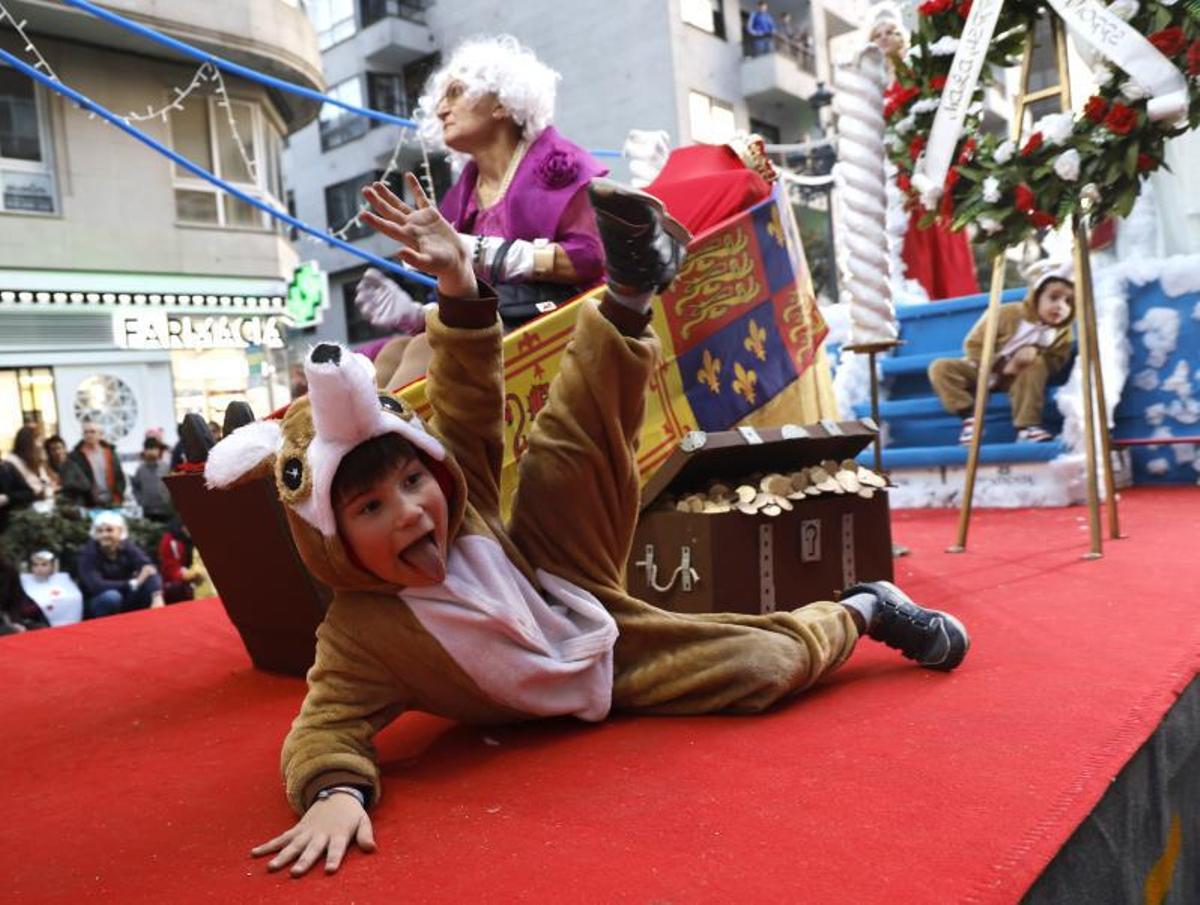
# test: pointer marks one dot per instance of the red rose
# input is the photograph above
(1041, 219)
(1121, 119)
(1169, 41)
(1097, 108)
(1035, 142)
(952, 177)
(938, 82)
(1023, 198)
(904, 181)
(1193, 58)
(968, 150)
(933, 7)
(916, 146)
(898, 98)
(1146, 162)
(964, 8)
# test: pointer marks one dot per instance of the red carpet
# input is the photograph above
(140, 753)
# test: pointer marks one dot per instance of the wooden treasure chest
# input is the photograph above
(755, 520)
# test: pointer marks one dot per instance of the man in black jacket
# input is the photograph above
(92, 475)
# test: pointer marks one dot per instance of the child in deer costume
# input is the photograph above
(442, 607)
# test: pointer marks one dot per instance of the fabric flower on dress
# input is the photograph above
(557, 169)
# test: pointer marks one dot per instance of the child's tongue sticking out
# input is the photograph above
(423, 556)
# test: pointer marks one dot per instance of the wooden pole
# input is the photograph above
(1086, 287)
(990, 329)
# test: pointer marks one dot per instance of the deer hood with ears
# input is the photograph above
(343, 409)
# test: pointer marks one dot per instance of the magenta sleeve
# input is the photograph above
(580, 240)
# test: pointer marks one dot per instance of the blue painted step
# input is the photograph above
(955, 455)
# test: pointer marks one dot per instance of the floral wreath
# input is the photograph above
(1094, 163)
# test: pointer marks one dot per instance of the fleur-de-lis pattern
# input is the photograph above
(775, 227)
(756, 341)
(744, 381)
(709, 373)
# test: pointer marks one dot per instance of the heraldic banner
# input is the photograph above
(740, 331)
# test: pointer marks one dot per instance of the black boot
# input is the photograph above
(643, 247)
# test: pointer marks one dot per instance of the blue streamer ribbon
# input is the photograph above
(90, 105)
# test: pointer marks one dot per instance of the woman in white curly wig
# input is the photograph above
(520, 204)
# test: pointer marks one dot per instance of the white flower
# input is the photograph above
(1133, 90)
(991, 190)
(1123, 9)
(899, 146)
(945, 46)
(1090, 196)
(1067, 165)
(906, 125)
(925, 105)
(1055, 128)
(1168, 2)
(1102, 74)
(989, 226)
(1004, 152)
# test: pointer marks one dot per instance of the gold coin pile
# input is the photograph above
(775, 493)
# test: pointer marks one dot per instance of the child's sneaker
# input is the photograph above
(643, 246)
(1034, 434)
(930, 637)
(967, 434)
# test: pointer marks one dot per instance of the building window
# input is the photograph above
(372, 11)
(769, 132)
(706, 15)
(385, 93)
(338, 125)
(333, 20)
(342, 203)
(27, 398)
(712, 120)
(201, 132)
(416, 74)
(26, 180)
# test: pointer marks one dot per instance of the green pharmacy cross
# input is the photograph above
(307, 295)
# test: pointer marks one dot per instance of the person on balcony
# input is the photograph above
(520, 205)
(761, 29)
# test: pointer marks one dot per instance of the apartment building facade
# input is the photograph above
(130, 290)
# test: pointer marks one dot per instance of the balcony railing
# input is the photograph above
(799, 49)
(372, 11)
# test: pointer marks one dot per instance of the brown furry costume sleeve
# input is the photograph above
(466, 391)
(352, 695)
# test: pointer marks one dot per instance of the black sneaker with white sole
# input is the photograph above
(932, 638)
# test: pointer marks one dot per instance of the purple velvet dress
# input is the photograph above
(545, 200)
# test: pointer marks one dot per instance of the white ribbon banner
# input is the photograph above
(1088, 20)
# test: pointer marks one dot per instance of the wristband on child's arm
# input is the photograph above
(346, 790)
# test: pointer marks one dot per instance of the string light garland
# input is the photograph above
(41, 63)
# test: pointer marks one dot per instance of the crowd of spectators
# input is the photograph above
(66, 550)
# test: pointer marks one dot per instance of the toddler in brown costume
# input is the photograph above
(1033, 342)
(442, 607)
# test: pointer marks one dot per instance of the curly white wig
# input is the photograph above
(498, 65)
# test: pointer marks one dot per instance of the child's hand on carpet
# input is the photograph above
(326, 828)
